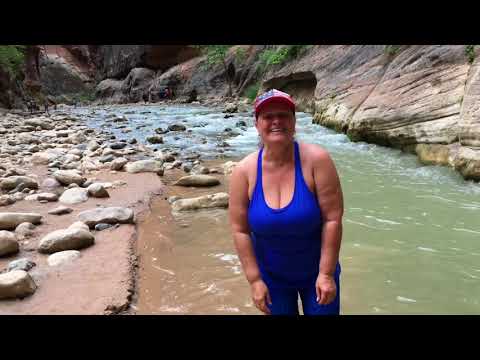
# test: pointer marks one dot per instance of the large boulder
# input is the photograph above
(10, 220)
(13, 182)
(74, 196)
(67, 177)
(16, 284)
(197, 181)
(467, 162)
(65, 239)
(110, 90)
(109, 215)
(218, 200)
(8, 243)
(143, 166)
(137, 83)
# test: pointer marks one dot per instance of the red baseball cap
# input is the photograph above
(271, 96)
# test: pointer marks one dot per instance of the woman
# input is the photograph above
(286, 208)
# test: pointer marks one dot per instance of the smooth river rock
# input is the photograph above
(24, 230)
(50, 197)
(155, 139)
(6, 200)
(74, 195)
(109, 215)
(8, 243)
(10, 220)
(197, 181)
(79, 225)
(12, 182)
(50, 184)
(118, 164)
(67, 177)
(97, 190)
(218, 200)
(16, 284)
(60, 210)
(65, 239)
(143, 166)
(63, 257)
(21, 264)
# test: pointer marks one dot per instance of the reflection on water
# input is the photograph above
(411, 241)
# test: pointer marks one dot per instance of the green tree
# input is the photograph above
(217, 54)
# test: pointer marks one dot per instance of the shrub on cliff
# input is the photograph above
(252, 91)
(12, 58)
(280, 55)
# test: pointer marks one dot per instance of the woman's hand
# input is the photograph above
(260, 296)
(326, 289)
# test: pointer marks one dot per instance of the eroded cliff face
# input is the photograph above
(67, 72)
(185, 78)
(422, 99)
(116, 61)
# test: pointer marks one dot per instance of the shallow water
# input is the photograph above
(411, 241)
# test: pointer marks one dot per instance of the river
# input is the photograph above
(411, 232)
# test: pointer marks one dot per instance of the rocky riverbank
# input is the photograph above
(72, 197)
(419, 98)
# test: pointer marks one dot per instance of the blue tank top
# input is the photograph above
(287, 241)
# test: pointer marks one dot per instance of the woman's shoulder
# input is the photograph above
(313, 152)
(248, 161)
(245, 168)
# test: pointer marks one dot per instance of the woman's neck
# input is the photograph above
(278, 154)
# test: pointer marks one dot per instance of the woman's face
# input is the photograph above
(276, 124)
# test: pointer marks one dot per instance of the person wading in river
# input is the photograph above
(286, 209)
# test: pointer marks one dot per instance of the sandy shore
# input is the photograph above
(102, 281)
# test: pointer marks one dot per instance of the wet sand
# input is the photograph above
(102, 280)
(188, 263)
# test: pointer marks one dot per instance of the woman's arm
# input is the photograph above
(330, 198)
(238, 207)
(238, 211)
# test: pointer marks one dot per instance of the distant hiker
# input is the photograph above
(32, 106)
(192, 96)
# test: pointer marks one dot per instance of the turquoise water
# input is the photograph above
(411, 241)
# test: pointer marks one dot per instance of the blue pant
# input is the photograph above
(285, 300)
